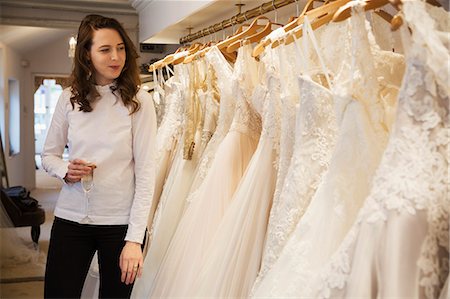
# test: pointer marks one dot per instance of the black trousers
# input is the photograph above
(72, 247)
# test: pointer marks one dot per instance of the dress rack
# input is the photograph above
(237, 19)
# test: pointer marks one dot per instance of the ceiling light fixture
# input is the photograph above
(72, 45)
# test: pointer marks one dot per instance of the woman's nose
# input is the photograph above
(114, 54)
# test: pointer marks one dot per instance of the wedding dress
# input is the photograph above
(290, 98)
(171, 204)
(209, 202)
(232, 261)
(168, 136)
(294, 196)
(361, 139)
(399, 245)
(311, 126)
(221, 89)
(212, 103)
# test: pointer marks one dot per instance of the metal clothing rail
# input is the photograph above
(237, 19)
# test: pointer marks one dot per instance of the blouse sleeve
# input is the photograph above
(56, 140)
(144, 145)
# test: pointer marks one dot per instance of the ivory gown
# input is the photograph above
(232, 259)
(209, 202)
(172, 199)
(399, 245)
(361, 140)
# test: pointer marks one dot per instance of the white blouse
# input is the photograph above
(122, 147)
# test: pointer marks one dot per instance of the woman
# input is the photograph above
(109, 125)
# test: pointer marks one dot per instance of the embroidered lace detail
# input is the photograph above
(289, 99)
(210, 105)
(344, 187)
(413, 174)
(171, 128)
(193, 108)
(223, 93)
(272, 109)
(246, 120)
(293, 158)
(316, 135)
(275, 236)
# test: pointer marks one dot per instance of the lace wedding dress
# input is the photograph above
(212, 105)
(399, 245)
(209, 202)
(311, 126)
(168, 136)
(220, 89)
(171, 203)
(232, 260)
(290, 198)
(360, 143)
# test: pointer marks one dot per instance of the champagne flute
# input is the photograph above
(87, 181)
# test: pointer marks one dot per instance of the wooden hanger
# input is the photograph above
(192, 50)
(241, 32)
(166, 60)
(256, 37)
(156, 65)
(169, 58)
(244, 27)
(292, 23)
(320, 16)
(345, 11)
(254, 26)
(384, 15)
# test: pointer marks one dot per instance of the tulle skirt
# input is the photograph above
(233, 258)
(207, 206)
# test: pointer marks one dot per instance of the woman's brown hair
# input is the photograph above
(84, 92)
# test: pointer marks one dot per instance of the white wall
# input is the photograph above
(49, 59)
(11, 69)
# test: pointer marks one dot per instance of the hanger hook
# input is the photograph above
(206, 33)
(210, 31)
(276, 11)
(223, 31)
(297, 8)
(234, 21)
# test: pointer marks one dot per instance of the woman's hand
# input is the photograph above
(77, 169)
(131, 262)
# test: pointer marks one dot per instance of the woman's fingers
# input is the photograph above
(134, 269)
(77, 169)
(141, 265)
(129, 271)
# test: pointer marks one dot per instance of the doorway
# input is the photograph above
(48, 90)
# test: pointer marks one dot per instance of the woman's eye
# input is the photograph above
(121, 48)
(104, 50)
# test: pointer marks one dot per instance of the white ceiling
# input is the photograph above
(25, 38)
(27, 24)
(210, 15)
